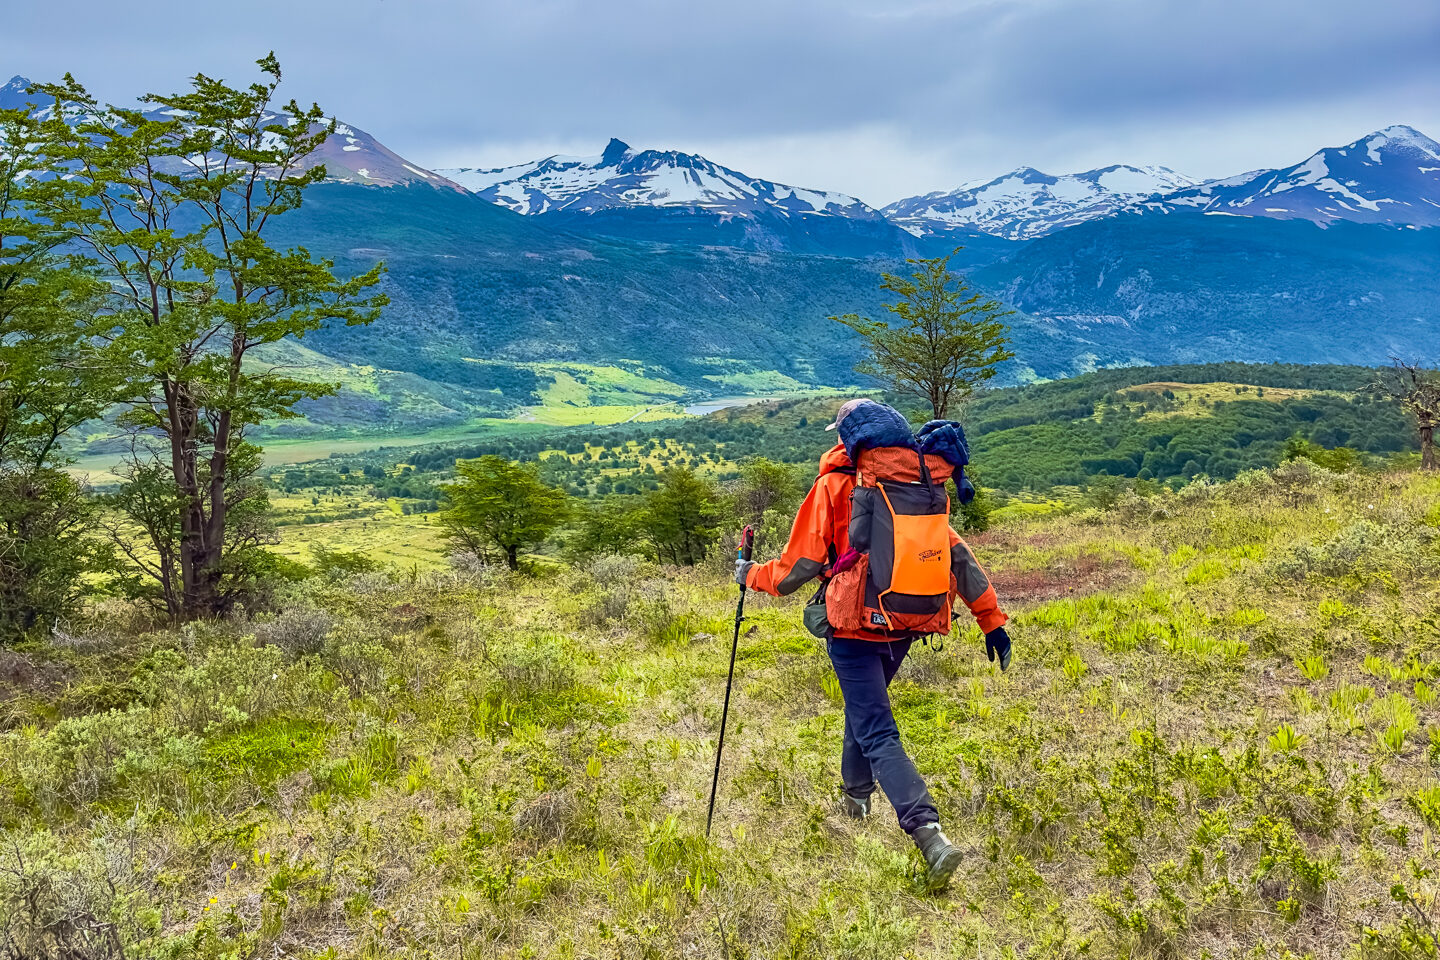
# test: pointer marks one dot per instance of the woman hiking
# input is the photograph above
(855, 533)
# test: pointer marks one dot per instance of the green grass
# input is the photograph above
(1218, 738)
(380, 530)
(1199, 399)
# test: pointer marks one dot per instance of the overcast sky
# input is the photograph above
(878, 98)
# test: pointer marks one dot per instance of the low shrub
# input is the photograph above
(297, 631)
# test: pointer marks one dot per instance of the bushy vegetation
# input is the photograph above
(1160, 423)
(1218, 738)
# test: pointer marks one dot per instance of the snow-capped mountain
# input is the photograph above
(623, 177)
(12, 94)
(682, 198)
(1390, 176)
(350, 155)
(1027, 203)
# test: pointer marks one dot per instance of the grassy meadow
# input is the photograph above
(1218, 738)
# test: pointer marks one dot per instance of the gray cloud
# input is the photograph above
(879, 99)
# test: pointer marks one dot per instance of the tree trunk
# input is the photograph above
(512, 556)
(183, 426)
(1428, 460)
(199, 550)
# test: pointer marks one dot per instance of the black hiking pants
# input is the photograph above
(872, 740)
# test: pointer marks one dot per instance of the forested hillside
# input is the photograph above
(477, 292)
(1160, 423)
(1186, 288)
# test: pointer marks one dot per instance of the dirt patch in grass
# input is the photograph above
(1073, 578)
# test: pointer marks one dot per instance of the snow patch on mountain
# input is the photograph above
(1027, 203)
(1389, 176)
(623, 177)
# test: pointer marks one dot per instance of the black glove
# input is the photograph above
(742, 570)
(997, 641)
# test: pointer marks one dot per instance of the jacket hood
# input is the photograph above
(834, 459)
(874, 425)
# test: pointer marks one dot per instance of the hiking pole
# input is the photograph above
(747, 544)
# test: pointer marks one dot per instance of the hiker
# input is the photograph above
(896, 507)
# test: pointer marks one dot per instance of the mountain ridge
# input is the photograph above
(674, 196)
(1389, 176)
(622, 176)
(1027, 203)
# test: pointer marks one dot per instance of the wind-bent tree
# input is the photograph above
(949, 338)
(1417, 390)
(173, 206)
(49, 383)
(498, 503)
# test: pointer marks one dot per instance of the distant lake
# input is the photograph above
(722, 403)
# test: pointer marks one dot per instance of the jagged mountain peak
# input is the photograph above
(615, 151)
(622, 177)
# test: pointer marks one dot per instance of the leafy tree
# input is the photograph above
(147, 529)
(337, 564)
(1339, 459)
(681, 516)
(48, 385)
(973, 517)
(173, 208)
(949, 339)
(765, 485)
(765, 494)
(614, 524)
(1417, 390)
(498, 503)
(43, 548)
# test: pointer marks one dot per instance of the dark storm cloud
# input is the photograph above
(873, 97)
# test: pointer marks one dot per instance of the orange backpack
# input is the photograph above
(900, 585)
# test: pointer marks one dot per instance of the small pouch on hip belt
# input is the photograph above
(815, 619)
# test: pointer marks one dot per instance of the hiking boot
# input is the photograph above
(856, 808)
(941, 856)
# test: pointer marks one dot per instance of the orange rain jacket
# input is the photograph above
(821, 533)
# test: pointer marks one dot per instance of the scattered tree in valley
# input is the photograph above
(498, 504)
(948, 341)
(173, 206)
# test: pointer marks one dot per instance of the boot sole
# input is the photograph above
(939, 876)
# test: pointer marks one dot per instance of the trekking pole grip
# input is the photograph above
(747, 543)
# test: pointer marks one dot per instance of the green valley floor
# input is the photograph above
(1219, 738)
